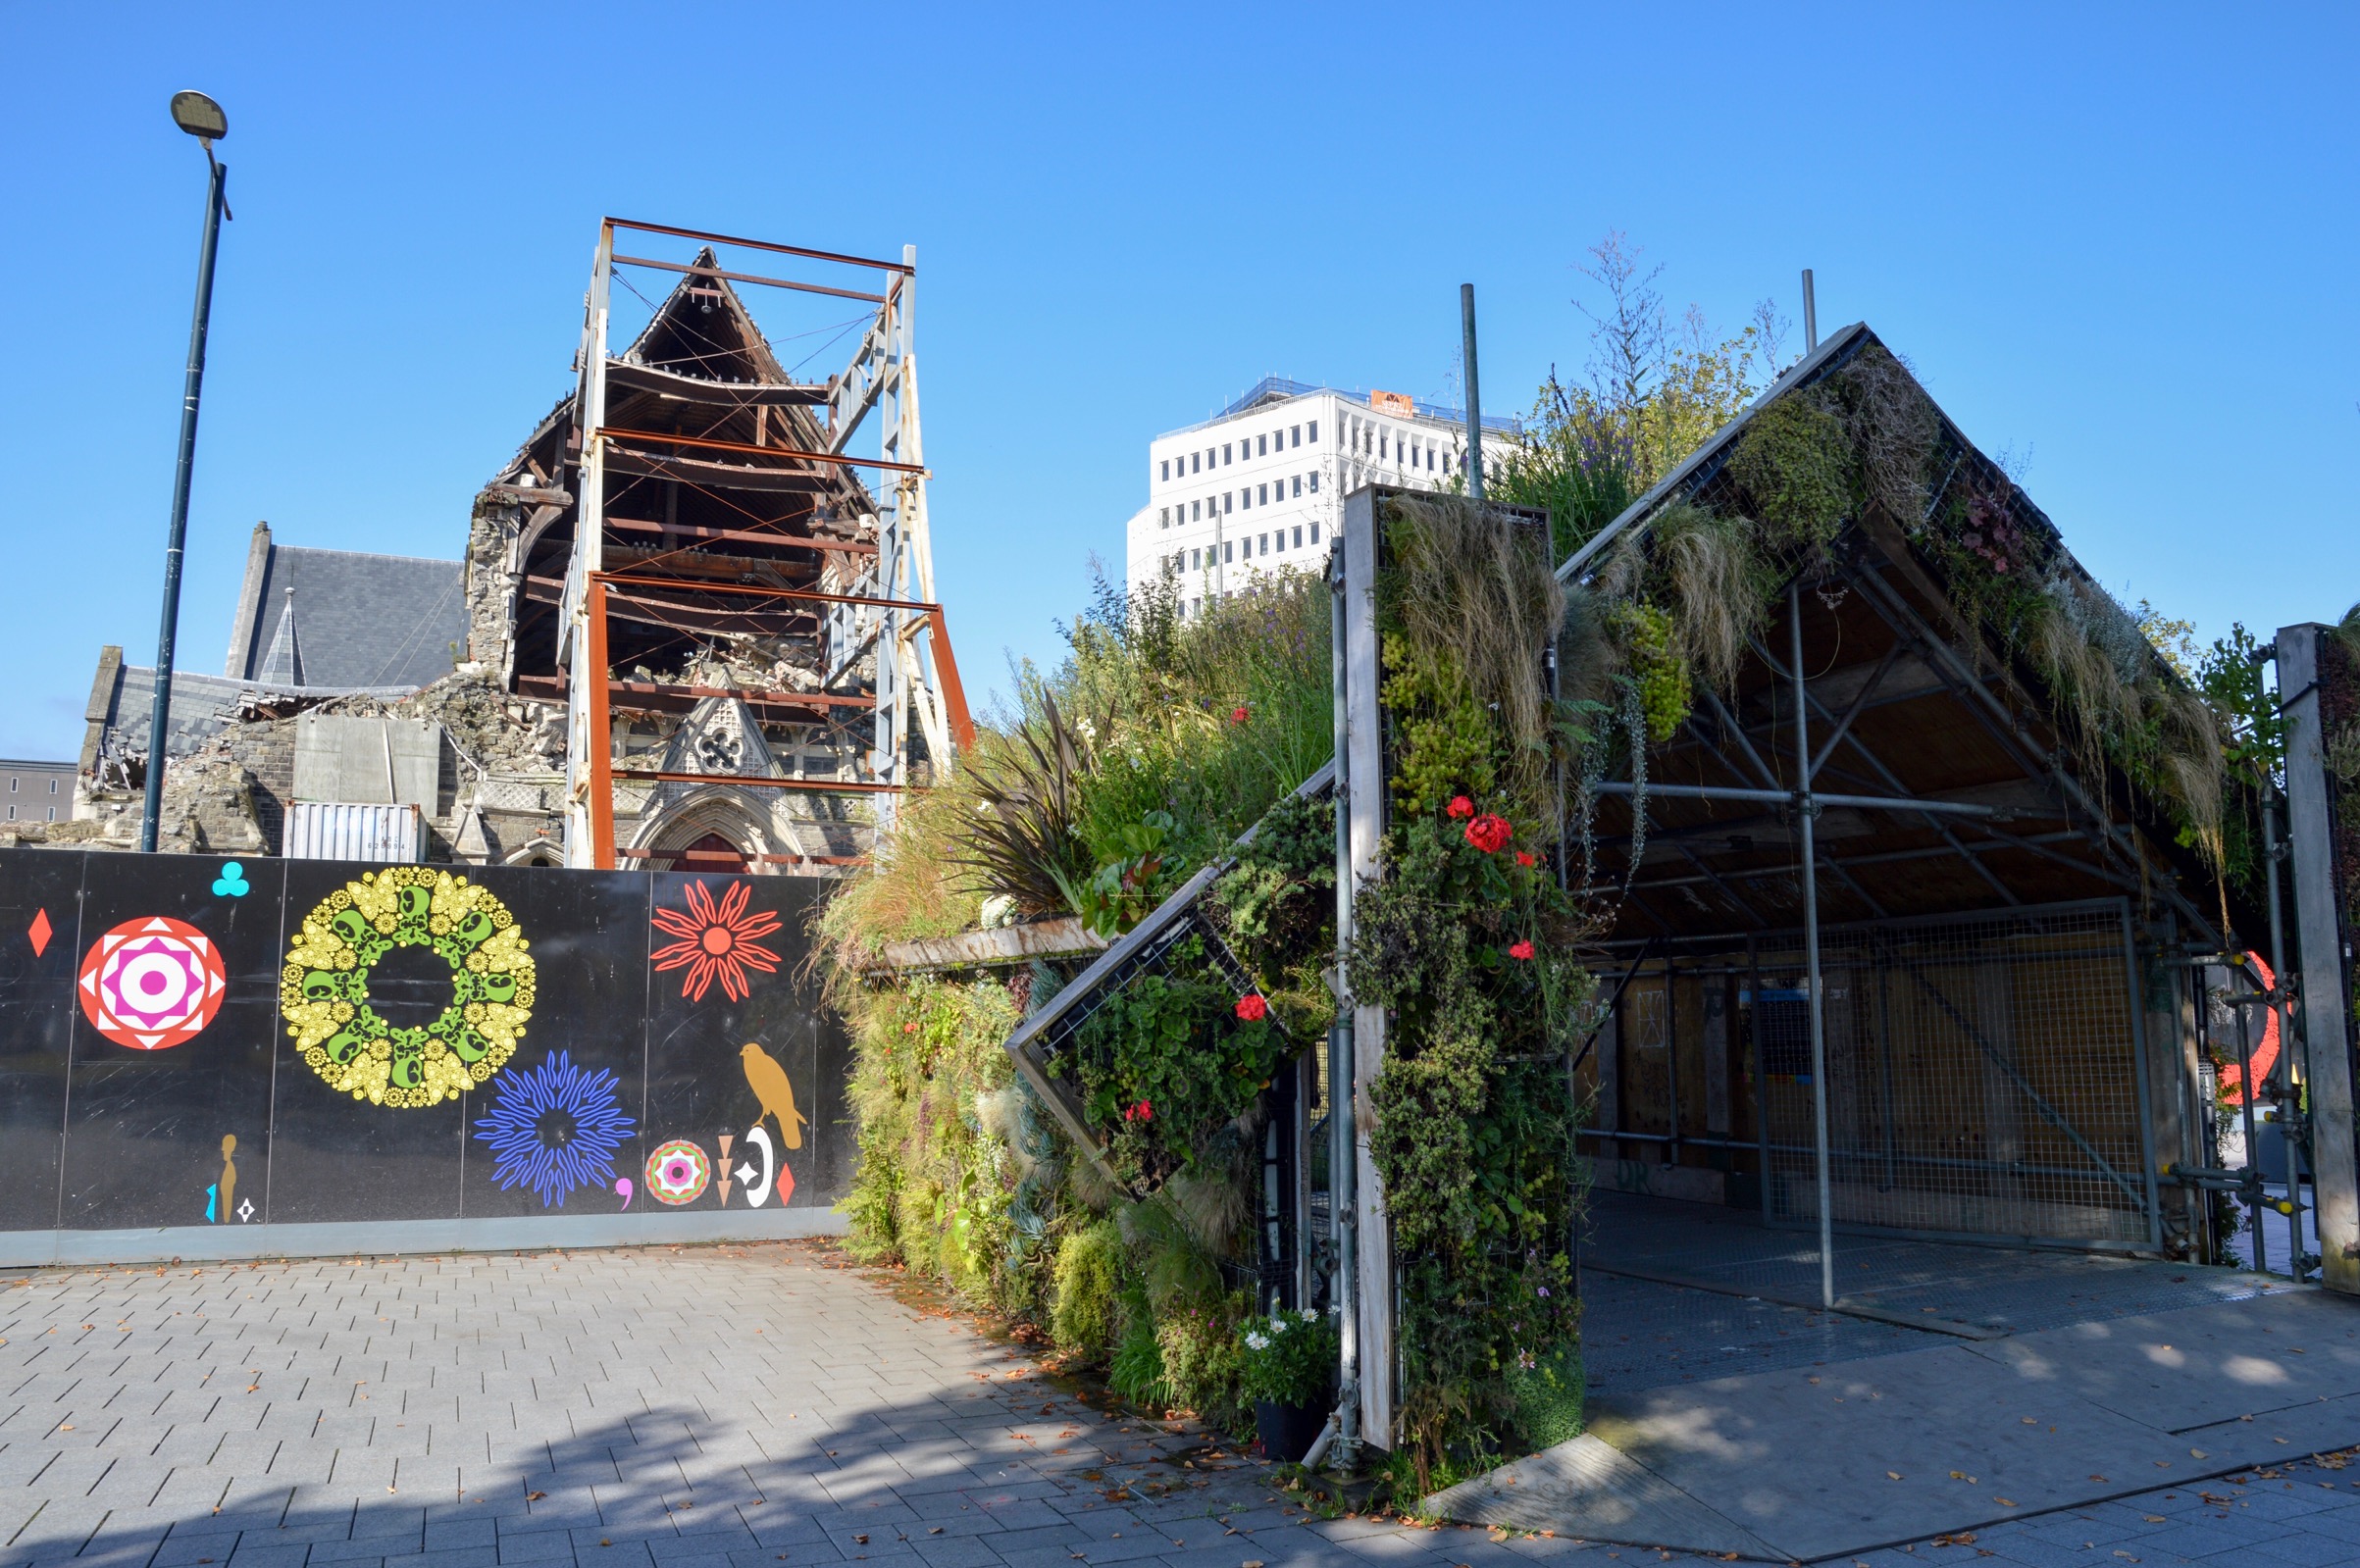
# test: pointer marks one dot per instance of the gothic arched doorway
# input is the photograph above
(712, 853)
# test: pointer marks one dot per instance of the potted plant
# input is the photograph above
(1287, 1363)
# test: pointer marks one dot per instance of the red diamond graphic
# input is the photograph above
(39, 931)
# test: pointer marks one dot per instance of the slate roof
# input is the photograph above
(363, 620)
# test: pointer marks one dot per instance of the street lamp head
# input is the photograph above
(199, 116)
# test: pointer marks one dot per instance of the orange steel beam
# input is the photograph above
(761, 244)
(620, 580)
(840, 786)
(766, 859)
(954, 695)
(747, 277)
(601, 736)
(607, 432)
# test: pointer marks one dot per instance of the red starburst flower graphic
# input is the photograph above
(715, 940)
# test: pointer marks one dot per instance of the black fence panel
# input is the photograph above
(188, 1042)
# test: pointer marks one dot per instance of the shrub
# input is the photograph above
(1796, 466)
(1201, 1367)
(1083, 1317)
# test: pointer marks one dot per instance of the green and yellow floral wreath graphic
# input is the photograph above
(324, 990)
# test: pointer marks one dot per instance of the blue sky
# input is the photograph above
(2114, 239)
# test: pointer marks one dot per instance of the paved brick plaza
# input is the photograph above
(723, 1408)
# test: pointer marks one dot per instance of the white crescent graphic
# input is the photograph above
(757, 1195)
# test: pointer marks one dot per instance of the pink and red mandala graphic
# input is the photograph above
(151, 984)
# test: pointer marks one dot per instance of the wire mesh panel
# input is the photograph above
(1982, 1077)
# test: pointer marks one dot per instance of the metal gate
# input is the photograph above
(1985, 1077)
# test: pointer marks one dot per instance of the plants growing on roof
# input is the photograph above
(1796, 466)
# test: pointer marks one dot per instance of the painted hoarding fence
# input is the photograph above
(348, 1056)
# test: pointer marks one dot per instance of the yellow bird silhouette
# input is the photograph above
(768, 1079)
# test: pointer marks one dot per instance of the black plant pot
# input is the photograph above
(1287, 1431)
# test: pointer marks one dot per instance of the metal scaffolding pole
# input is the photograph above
(1807, 810)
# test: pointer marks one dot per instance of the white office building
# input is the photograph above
(1259, 486)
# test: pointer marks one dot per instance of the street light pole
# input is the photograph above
(1474, 398)
(202, 119)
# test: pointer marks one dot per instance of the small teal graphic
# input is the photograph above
(213, 1194)
(232, 883)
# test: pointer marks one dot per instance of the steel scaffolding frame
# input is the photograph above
(890, 609)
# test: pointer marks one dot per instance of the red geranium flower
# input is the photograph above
(1525, 857)
(1519, 950)
(1251, 1008)
(1238, 714)
(1489, 832)
(1459, 807)
(1140, 1112)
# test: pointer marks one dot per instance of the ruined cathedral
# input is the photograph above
(710, 678)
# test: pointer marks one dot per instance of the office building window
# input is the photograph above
(1315, 492)
(1226, 497)
(1298, 484)
(1312, 433)
(53, 787)
(1263, 493)
(1228, 551)
(1261, 446)
(53, 812)
(1165, 519)
(1381, 443)
(1299, 537)
(1314, 533)
(1296, 433)
(12, 811)
(1225, 451)
(1167, 468)
(12, 785)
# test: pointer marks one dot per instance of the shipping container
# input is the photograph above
(334, 830)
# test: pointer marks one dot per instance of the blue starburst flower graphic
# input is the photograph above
(555, 1128)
